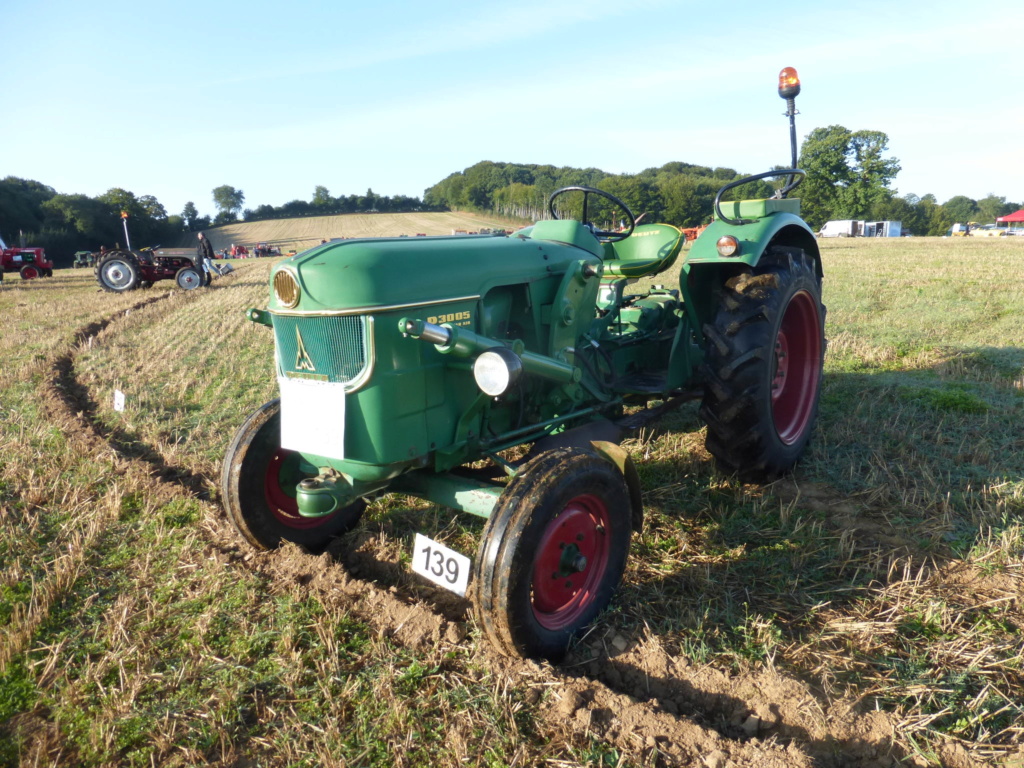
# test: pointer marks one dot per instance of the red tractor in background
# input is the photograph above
(30, 263)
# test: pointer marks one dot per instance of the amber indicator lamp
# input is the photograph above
(789, 83)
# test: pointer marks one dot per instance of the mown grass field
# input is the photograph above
(866, 611)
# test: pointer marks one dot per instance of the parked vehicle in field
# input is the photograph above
(961, 230)
(120, 271)
(861, 228)
(989, 230)
(30, 263)
(84, 259)
(265, 249)
(403, 361)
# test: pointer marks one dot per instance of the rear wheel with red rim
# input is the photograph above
(553, 552)
(762, 370)
(258, 488)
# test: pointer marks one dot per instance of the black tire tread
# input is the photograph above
(737, 394)
(248, 511)
(127, 256)
(498, 568)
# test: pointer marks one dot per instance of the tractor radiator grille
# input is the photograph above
(329, 348)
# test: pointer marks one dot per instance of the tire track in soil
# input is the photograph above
(655, 707)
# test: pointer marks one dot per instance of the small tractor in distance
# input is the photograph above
(403, 361)
(84, 259)
(119, 271)
(30, 263)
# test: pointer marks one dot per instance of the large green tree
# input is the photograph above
(89, 217)
(961, 208)
(229, 201)
(991, 208)
(322, 197)
(847, 173)
(190, 214)
(824, 156)
(870, 172)
(21, 202)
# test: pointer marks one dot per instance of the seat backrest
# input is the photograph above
(652, 248)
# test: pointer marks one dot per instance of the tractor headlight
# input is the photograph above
(286, 289)
(728, 246)
(497, 370)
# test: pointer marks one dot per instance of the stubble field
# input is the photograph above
(298, 234)
(865, 611)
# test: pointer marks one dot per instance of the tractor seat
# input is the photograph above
(652, 248)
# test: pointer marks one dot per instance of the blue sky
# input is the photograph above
(274, 98)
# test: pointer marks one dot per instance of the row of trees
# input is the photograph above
(848, 177)
(62, 224)
(323, 204)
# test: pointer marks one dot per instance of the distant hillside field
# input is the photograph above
(302, 232)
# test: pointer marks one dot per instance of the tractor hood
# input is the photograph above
(378, 274)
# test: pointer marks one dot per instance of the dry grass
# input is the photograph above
(881, 583)
(302, 233)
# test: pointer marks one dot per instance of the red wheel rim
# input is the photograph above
(797, 368)
(281, 471)
(571, 562)
(30, 273)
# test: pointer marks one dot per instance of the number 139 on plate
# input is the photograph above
(445, 567)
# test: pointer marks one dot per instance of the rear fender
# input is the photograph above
(754, 239)
(706, 270)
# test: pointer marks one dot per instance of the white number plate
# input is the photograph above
(445, 567)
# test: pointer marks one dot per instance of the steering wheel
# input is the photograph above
(603, 235)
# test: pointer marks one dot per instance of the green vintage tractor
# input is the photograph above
(401, 362)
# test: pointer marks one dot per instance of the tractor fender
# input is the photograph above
(754, 238)
(617, 455)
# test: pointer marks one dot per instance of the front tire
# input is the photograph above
(118, 272)
(29, 272)
(552, 553)
(763, 367)
(258, 488)
(189, 278)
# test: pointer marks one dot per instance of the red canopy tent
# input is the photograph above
(1013, 218)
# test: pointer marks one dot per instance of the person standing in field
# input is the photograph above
(204, 255)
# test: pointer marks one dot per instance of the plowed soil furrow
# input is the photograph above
(656, 708)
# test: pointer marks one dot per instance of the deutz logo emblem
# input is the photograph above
(303, 362)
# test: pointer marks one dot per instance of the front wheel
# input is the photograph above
(29, 272)
(762, 372)
(258, 488)
(553, 553)
(189, 278)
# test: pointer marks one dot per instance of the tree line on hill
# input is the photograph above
(848, 177)
(36, 214)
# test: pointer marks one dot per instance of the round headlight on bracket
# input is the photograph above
(728, 245)
(286, 289)
(497, 370)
